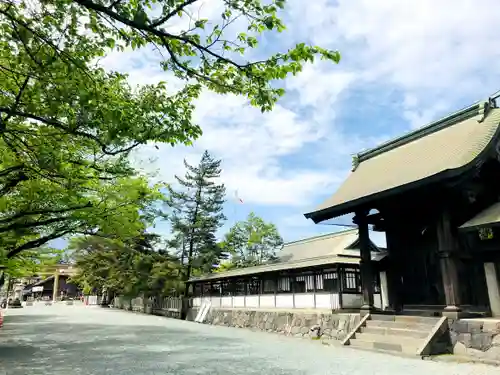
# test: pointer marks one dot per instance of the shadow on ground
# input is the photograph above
(33, 344)
(27, 318)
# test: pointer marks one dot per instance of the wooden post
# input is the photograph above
(340, 284)
(260, 291)
(314, 286)
(366, 262)
(395, 288)
(276, 281)
(245, 292)
(447, 249)
(55, 288)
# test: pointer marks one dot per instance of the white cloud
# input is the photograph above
(437, 56)
(433, 51)
(250, 144)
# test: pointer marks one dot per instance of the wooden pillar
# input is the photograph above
(340, 287)
(55, 291)
(395, 287)
(493, 285)
(276, 281)
(366, 262)
(315, 273)
(447, 250)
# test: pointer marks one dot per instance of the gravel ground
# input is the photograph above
(57, 340)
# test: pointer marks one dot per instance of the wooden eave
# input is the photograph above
(383, 172)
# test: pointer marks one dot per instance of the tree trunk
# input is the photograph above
(9, 285)
(183, 251)
(191, 240)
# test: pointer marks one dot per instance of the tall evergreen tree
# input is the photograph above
(196, 213)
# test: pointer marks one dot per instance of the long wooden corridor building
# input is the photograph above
(315, 273)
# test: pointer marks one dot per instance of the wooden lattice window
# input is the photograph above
(197, 290)
(268, 286)
(284, 284)
(226, 288)
(239, 288)
(253, 286)
(352, 280)
(303, 284)
(215, 289)
(206, 289)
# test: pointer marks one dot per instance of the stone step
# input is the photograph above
(405, 318)
(423, 327)
(403, 332)
(386, 342)
(417, 319)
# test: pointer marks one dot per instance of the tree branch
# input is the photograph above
(172, 13)
(66, 128)
(45, 212)
(37, 243)
(9, 170)
(12, 183)
(18, 98)
(33, 224)
(160, 33)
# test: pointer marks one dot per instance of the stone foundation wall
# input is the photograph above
(478, 339)
(299, 324)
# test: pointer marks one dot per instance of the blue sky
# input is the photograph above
(404, 63)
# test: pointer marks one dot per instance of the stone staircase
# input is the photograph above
(400, 333)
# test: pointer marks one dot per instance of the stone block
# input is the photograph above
(294, 323)
(297, 320)
(491, 326)
(343, 325)
(465, 339)
(459, 349)
(327, 324)
(304, 329)
(492, 353)
(495, 341)
(475, 327)
(459, 326)
(481, 341)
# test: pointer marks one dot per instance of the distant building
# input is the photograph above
(45, 288)
(42, 284)
(315, 273)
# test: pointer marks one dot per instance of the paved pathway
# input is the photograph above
(67, 340)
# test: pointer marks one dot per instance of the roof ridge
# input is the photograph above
(434, 126)
(333, 234)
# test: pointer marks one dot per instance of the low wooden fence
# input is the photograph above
(167, 306)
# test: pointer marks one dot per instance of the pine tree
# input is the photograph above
(196, 213)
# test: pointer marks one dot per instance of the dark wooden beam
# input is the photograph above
(395, 236)
(448, 252)
(366, 262)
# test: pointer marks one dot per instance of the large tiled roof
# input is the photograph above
(310, 252)
(447, 145)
